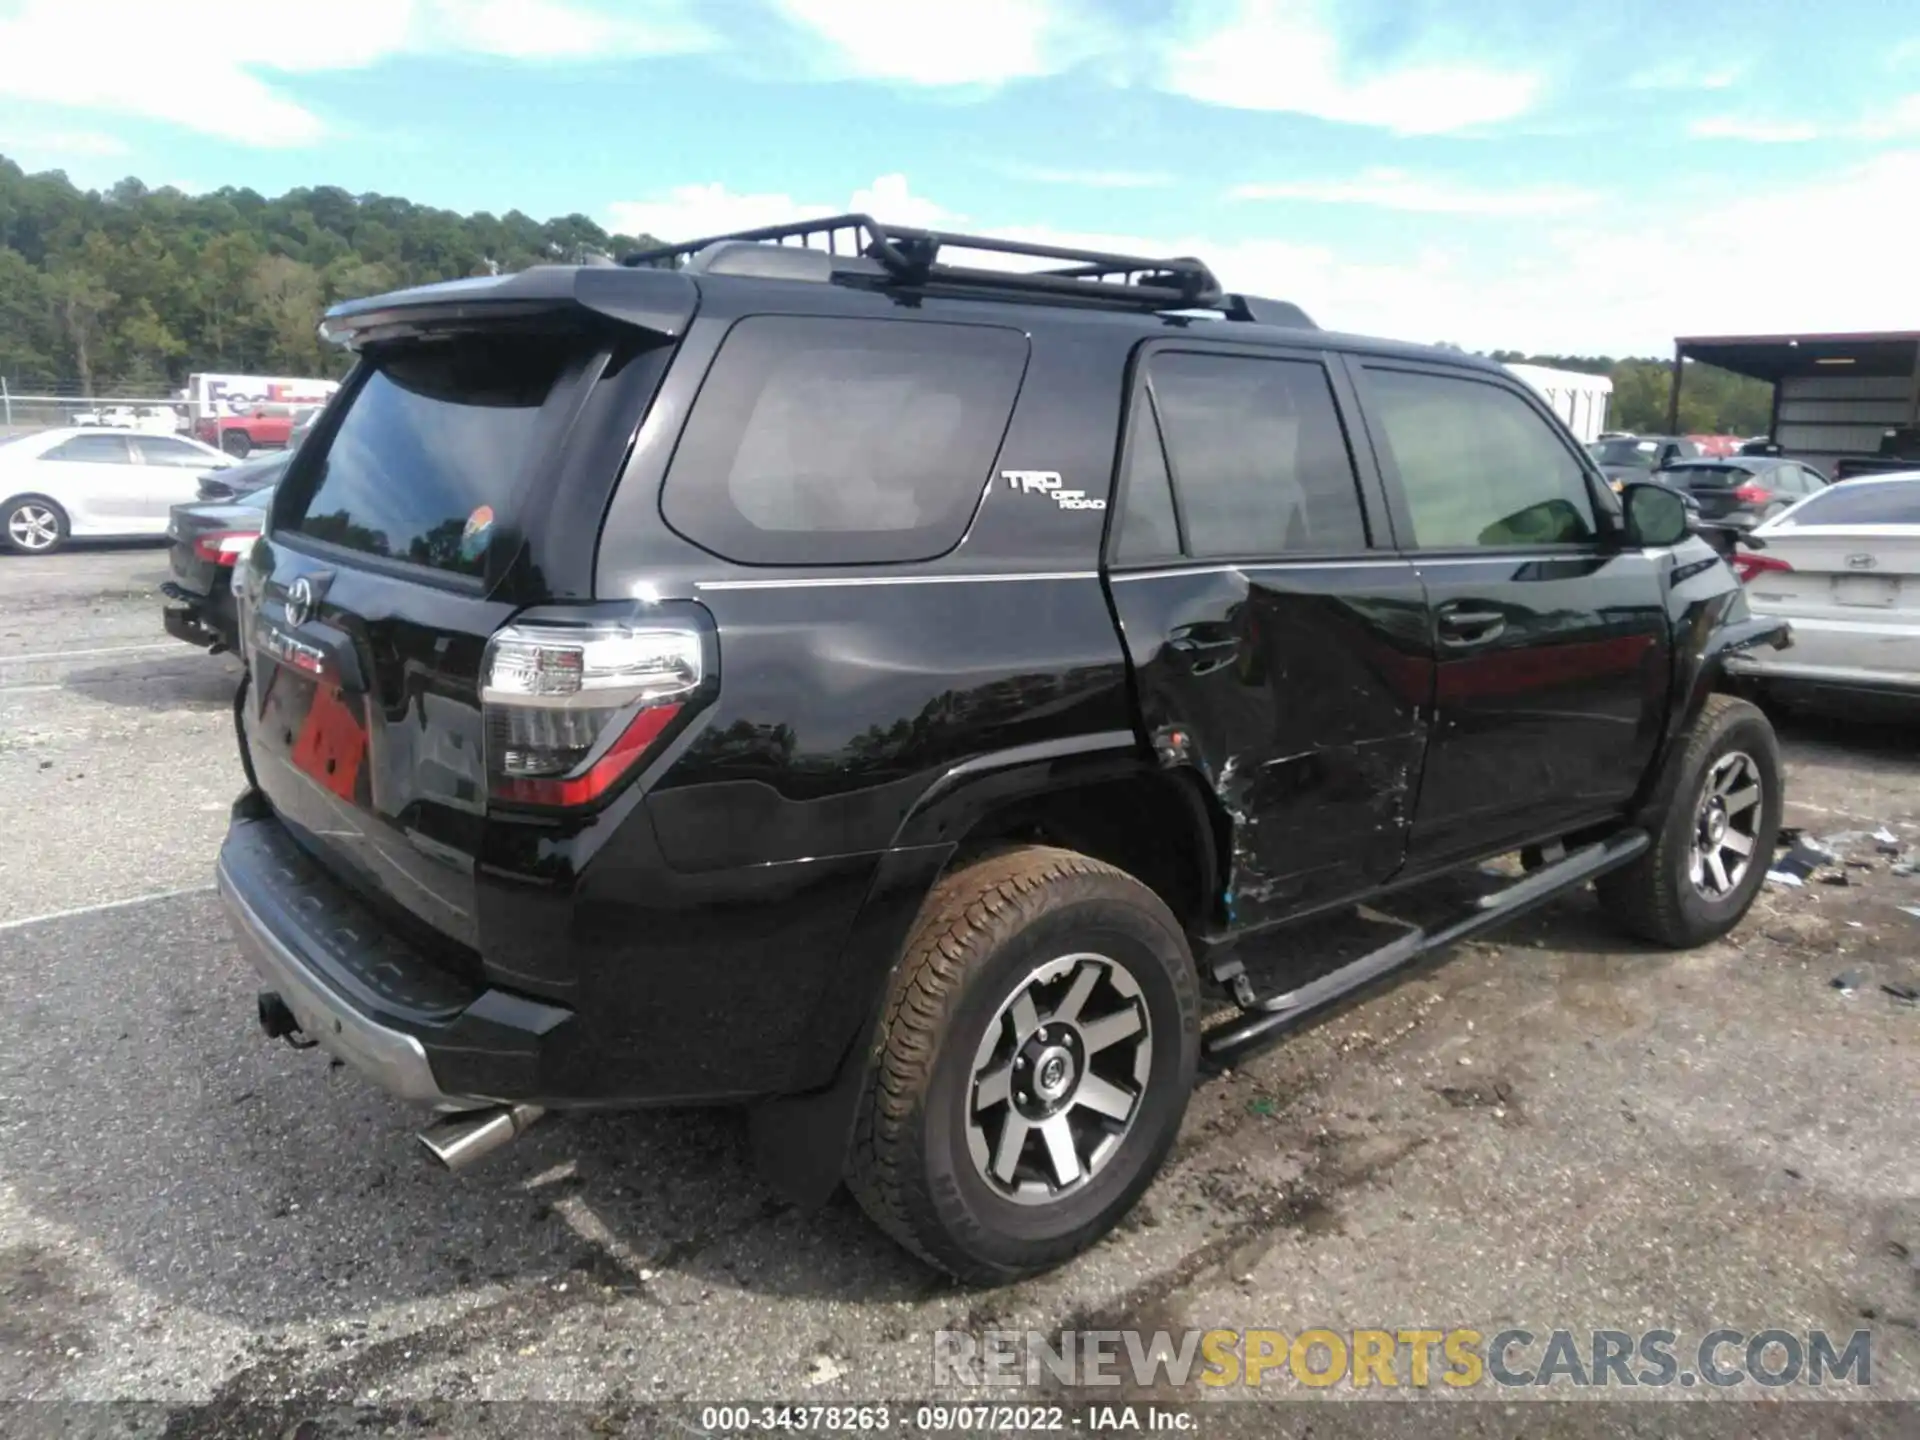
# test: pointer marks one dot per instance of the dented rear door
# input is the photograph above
(1278, 646)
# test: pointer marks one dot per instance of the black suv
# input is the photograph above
(803, 670)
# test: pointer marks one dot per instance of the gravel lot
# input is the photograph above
(1555, 1129)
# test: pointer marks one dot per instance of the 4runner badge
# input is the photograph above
(1047, 482)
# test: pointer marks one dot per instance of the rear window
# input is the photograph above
(818, 440)
(1881, 502)
(1711, 474)
(434, 446)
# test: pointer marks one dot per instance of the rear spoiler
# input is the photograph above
(659, 301)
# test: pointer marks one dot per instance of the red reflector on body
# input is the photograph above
(1747, 565)
(601, 776)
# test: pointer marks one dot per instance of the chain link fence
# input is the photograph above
(26, 413)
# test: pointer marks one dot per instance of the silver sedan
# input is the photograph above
(1844, 567)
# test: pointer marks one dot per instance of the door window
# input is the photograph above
(1478, 465)
(91, 450)
(1258, 456)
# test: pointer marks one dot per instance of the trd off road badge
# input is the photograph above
(1047, 482)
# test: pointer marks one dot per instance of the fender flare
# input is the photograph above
(1692, 686)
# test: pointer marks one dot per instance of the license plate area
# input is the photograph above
(1873, 591)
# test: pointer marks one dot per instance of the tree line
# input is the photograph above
(128, 290)
(1712, 401)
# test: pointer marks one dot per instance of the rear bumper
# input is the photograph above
(393, 1060)
(366, 997)
(204, 620)
(1869, 652)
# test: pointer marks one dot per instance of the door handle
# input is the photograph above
(1460, 626)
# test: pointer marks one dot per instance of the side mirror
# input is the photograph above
(1655, 515)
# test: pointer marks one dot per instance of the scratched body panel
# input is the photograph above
(1299, 695)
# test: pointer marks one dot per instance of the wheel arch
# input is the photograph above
(1101, 795)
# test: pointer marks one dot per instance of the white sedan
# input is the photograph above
(1844, 567)
(95, 484)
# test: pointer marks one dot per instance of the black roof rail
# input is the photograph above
(909, 256)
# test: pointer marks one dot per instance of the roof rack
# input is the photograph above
(908, 256)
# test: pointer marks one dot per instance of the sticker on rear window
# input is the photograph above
(477, 532)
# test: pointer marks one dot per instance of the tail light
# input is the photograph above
(571, 710)
(224, 547)
(1752, 495)
(1746, 565)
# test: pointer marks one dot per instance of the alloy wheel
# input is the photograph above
(1726, 826)
(1059, 1078)
(33, 527)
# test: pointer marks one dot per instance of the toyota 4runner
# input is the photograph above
(879, 678)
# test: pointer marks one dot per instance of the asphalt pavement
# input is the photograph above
(1553, 1129)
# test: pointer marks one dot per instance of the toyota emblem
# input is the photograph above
(300, 602)
(1861, 562)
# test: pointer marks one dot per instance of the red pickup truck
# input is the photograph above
(264, 427)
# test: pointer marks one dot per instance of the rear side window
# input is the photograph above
(826, 441)
(1259, 460)
(1147, 527)
(1478, 465)
(1881, 502)
(434, 446)
(92, 450)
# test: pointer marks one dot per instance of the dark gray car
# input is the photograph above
(1639, 457)
(1743, 490)
(208, 541)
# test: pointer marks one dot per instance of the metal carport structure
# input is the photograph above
(1833, 395)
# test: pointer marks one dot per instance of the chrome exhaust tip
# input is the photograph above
(469, 1135)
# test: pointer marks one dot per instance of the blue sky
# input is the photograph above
(1562, 176)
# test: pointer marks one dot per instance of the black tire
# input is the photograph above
(18, 509)
(236, 443)
(1656, 897)
(982, 932)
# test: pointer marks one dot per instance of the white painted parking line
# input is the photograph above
(79, 654)
(6, 925)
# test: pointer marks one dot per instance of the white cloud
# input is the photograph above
(1603, 282)
(939, 42)
(90, 144)
(1686, 75)
(1389, 189)
(1283, 55)
(1895, 121)
(689, 212)
(208, 67)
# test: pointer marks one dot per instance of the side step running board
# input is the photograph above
(1273, 1017)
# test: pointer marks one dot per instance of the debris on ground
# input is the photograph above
(1885, 841)
(1906, 990)
(1847, 981)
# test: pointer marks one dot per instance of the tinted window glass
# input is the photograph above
(1479, 466)
(1147, 528)
(92, 450)
(1895, 502)
(433, 447)
(1258, 455)
(837, 441)
(157, 450)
